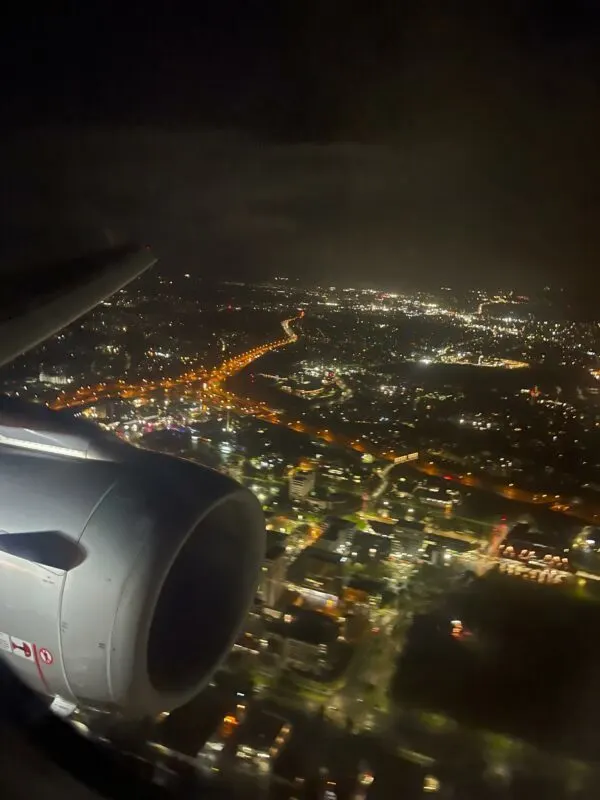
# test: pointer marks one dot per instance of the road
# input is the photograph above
(213, 379)
(211, 386)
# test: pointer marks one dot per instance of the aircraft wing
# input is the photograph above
(51, 297)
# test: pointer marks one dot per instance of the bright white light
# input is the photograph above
(42, 448)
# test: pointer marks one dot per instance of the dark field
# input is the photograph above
(529, 665)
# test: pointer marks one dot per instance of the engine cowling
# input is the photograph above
(125, 575)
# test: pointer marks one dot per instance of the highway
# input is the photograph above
(212, 389)
(213, 380)
(211, 386)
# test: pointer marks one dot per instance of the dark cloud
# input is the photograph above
(433, 212)
(396, 143)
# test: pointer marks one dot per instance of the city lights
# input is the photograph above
(385, 487)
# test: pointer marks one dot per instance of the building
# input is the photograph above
(302, 483)
(318, 577)
(406, 545)
(374, 545)
(336, 536)
(408, 539)
(273, 574)
(436, 495)
(410, 526)
(305, 656)
(209, 755)
(55, 378)
(251, 637)
(260, 740)
(539, 555)
(307, 637)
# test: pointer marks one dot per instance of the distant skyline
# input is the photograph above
(404, 146)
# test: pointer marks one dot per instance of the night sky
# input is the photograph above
(389, 143)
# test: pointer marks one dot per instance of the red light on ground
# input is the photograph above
(447, 477)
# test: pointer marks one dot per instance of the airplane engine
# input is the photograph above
(125, 574)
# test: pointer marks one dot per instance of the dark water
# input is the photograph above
(249, 383)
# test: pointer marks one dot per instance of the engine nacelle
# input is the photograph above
(125, 575)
